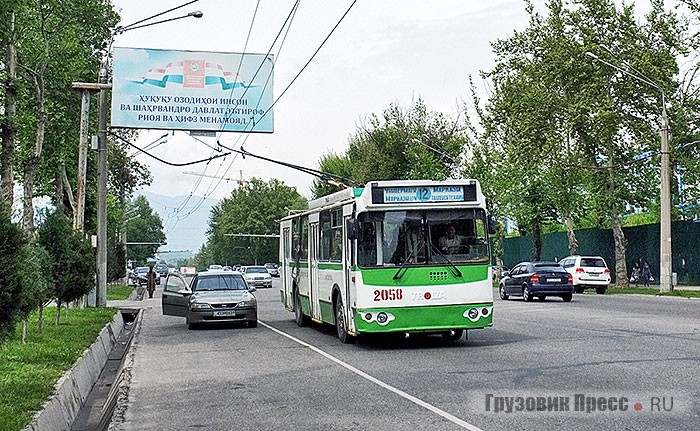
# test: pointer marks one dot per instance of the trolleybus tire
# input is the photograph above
(299, 317)
(341, 324)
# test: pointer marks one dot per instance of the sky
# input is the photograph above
(383, 52)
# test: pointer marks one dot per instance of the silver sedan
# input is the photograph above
(210, 297)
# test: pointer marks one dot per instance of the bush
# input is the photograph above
(12, 241)
(73, 267)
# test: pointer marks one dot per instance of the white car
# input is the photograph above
(257, 276)
(588, 272)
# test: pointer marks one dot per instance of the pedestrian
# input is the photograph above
(636, 274)
(151, 281)
(646, 274)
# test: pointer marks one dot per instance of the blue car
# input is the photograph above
(537, 279)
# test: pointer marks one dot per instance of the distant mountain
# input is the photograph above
(185, 221)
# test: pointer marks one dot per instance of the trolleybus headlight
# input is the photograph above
(473, 314)
(382, 318)
(486, 311)
(368, 317)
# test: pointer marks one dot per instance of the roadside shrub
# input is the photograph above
(12, 240)
(73, 266)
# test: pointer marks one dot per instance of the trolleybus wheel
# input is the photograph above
(299, 316)
(340, 323)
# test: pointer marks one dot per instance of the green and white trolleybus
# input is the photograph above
(394, 256)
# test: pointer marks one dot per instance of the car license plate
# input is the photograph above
(594, 274)
(224, 313)
(553, 280)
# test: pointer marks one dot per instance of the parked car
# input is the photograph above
(162, 269)
(536, 279)
(257, 276)
(273, 269)
(210, 297)
(588, 272)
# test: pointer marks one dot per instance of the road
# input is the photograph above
(638, 355)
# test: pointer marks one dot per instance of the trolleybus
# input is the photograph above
(393, 256)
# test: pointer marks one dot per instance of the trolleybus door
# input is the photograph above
(349, 294)
(285, 273)
(313, 270)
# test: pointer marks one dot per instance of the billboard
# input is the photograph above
(192, 90)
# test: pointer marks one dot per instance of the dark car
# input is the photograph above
(537, 279)
(162, 269)
(210, 297)
(142, 275)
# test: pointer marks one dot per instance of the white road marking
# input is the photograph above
(455, 420)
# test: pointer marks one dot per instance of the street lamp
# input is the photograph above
(665, 276)
(101, 291)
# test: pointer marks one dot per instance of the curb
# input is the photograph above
(71, 390)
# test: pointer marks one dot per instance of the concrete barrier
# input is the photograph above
(71, 390)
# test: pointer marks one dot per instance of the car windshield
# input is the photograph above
(597, 263)
(142, 270)
(396, 238)
(219, 282)
(256, 270)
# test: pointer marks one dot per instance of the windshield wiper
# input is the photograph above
(403, 266)
(455, 271)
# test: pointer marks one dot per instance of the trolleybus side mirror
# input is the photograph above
(351, 228)
(493, 225)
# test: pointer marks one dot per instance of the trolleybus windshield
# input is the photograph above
(422, 237)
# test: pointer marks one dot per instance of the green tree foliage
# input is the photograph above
(73, 268)
(143, 225)
(12, 242)
(409, 143)
(49, 33)
(254, 208)
(560, 131)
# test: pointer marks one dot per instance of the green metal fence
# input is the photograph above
(642, 244)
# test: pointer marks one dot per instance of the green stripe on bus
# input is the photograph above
(430, 318)
(335, 266)
(423, 276)
(327, 313)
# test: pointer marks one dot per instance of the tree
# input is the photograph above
(73, 268)
(566, 129)
(401, 144)
(144, 225)
(254, 208)
(11, 283)
(50, 32)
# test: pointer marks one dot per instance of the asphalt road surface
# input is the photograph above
(616, 362)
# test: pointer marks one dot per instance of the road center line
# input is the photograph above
(455, 420)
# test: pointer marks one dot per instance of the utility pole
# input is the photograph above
(101, 292)
(666, 274)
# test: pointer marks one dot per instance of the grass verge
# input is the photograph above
(652, 291)
(29, 371)
(118, 292)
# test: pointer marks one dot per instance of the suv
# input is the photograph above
(588, 272)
